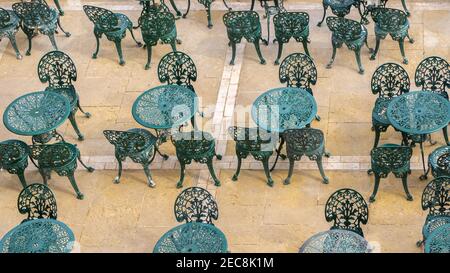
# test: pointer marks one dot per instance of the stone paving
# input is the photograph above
(131, 217)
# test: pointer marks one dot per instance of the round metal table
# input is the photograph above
(419, 113)
(38, 236)
(37, 114)
(192, 238)
(335, 241)
(283, 108)
(439, 240)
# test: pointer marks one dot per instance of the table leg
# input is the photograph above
(47, 137)
(278, 152)
(162, 137)
(424, 176)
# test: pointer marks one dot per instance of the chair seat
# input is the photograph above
(379, 112)
(434, 223)
(194, 144)
(42, 21)
(68, 92)
(57, 155)
(150, 139)
(13, 152)
(12, 24)
(439, 160)
(390, 21)
(121, 27)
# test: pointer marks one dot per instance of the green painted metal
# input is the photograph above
(439, 162)
(14, 158)
(433, 75)
(197, 205)
(195, 146)
(37, 201)
(207, 5)
(389, 158)
(308, 142)
(335, 241)
(349, 32)
(137, 144)
(255, 142)
(439, 240)
(291, 25)
(9, 25)
(384, 2)
(347, 209)
(59, 157)
(112, 25)
(393, 22)
(158, 26)
(272, 10)
(339, 8)
(389, 80)
(58, 70)
(243, 24)
(192, 237)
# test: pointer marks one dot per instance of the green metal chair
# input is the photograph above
(389, 158)
(291, 25)
(196, 204)
(433, 75)
(57, 4)
(37, 201)
(271, 10)
(9, 25)
(308, 142)
(347, 209)
(439, 162)
(383, 4)
(339, 8)
(243, 24)
(60, 157)
(14, 158)
(436, 199)
(113, 25)
(298, 70)
(350, 32)
(393, 22)
(255, 142)
(137, 144)
(198, 146)
(157, 26)
(388, 81)
(58, 70)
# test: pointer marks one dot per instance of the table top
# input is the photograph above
(335, 241)
(284, 108)
(38, 236)
(439, 240)
(419, 112)
(192, 238)
(36, 113)
(165, 106)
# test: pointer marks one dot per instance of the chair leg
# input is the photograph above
(208, 16)
(187, 9)
(89, 169)
(149, 56)
(405, 187)
(71, 177)
(280, 50)
(119, 174)
(233, 52)
(149, 176)
(375, 188)
(86, 114)
(358, 61)
(322, 172)
(172, 2)
(238, 170)
(119, 51)
(444, 130)
(209, 163)
(258, 51)
(377, 47)
(21, 175)
(377, 136)
(305, 47)
(12, 39)
(44, 175)
(290, 172)
(60, 27)
(51, 36)
(139, 44)
(58, 6)
(30, 37)
(325, 7)
(330, 63)
(75, 126)
(405, 8)
(94, 56)
(265, 163)
(402, 50)
(182, 172)
(268, 26)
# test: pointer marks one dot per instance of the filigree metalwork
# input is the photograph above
(389, 80)
(112, 25)
(384, 2)
(291, 25)
(433, 74)
(177, 68)
(305, 142)
(192, 238)
(348, 210)
(59, 157)
(255, 142)
(157, 26)
(38, 236)
(196, 204)
(393, 22)
(37, 202)
(439, 240)
(339, 8)
(14, 158)
(436, 198)
(298, 70)
(195, 146)
(335, 241)
(349, 32)
(137, 144)
(9, 25)
(58, 70)
(439, 162)
(243, 24)
(57, 4)
(270, 10)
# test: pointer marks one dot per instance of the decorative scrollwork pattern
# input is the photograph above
(177, 68)
(390, 80)
(439, 240)
(439, 161)
(391, 158)
(306, 141)
(347, 31)
(196, 204)
(102, 18)
(436, 197)
(335, 241)
(291, 25)
(298, 70)
(158, 26)
(242, 24)
(138, 144)
(433, 74)
(57, 68)
(37, 202)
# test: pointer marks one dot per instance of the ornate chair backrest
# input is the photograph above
(348, 210)
(57, 154)
(38, 202)
(436, 197)
(388, 19)
(292, 21)
(390, 80)
(196, 205)
(303, 141)
(33, 11)
(433, 74)
(390, 157)
(298, 70)
(239, 23)
(251, 139)
(57, 68)
(177, 68)
(125, 142)
(192, 143)
(156, 24)
(12, 151)
(102, 18)
(4, 18)
(344, 29)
